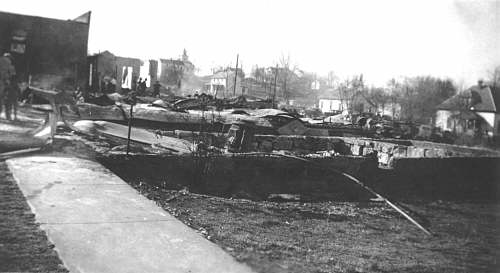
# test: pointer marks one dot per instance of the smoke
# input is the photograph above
(47, 81)
(480, 21)
(191, 84)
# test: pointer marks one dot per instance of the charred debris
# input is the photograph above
(222, 146)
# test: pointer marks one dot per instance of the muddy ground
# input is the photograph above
(341, 236)
(23, 245)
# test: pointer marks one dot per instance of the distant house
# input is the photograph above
(472, 111)
(391, 109)
(332, 101)
(222, 83)
(253, 87)
(50, 52)
(266, 83)
(316, 85)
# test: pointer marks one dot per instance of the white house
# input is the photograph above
(332, 101)
(392, 109)
(221, 84)
(472, 110)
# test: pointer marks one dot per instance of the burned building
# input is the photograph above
(49, 52)
(106, 66)
(174, 74)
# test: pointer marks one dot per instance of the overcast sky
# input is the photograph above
(381, 39)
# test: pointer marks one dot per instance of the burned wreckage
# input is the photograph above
(218, 138)
(222, 146)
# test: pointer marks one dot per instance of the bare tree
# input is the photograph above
(378, 97)
(351, 91)
(495, 77)
(287, 72)
(419, 96)
(331, 79)
(394, 93)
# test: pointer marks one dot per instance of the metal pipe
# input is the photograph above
(355, 180)
(275, 82)
(129, 127)
(235, 75)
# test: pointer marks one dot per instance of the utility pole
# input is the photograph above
(275, 81)
(129, 126)
(131, 99)
(235, 75)
(227, 82)
(241, 82)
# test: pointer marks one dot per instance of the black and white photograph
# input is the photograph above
(250, 136)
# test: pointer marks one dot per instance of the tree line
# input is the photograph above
(417, 97)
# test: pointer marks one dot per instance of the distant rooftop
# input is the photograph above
(483, 99)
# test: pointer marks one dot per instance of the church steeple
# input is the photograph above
(185, 57)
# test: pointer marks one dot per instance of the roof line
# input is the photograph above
(492, 98)
(42, 17)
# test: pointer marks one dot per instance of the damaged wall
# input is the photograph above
(257, 177)
(456, 178)
(254, 177)
(52, 51)
(106, 64)
(176, 74)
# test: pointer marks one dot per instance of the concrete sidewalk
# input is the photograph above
(98, 223)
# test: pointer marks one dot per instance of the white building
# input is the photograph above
(475, 109)
(221, 84)
(332, 101)
(392, 109)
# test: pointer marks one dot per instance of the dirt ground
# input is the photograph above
(341, 236)
(23, 245)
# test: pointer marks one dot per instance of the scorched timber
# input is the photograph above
(162, 115)
(139, 135)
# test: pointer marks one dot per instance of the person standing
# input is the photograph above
(138, 85)
(156, 89)
(7, 73)
(11, 99)
(112, 86)
(143, 87)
